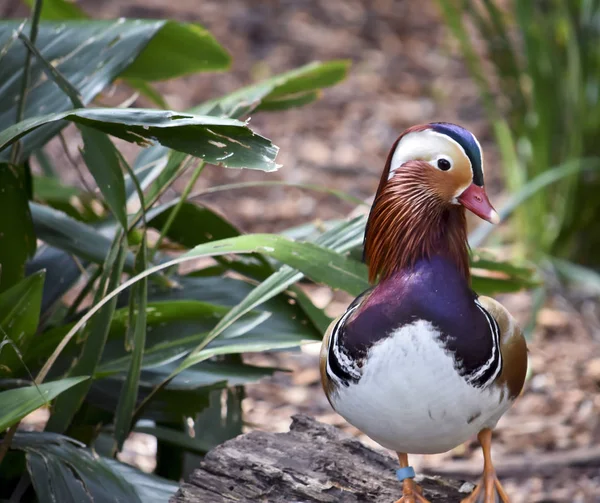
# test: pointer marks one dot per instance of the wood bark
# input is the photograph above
(313, 462)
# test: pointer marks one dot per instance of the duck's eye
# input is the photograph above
(444, 164)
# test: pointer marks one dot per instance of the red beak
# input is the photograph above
(476, 200)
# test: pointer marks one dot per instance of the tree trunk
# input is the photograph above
(313, 462)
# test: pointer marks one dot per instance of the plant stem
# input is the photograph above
(35, 20)
(4, 49)
(5, 445)
(73, 162)
(155, 197)
(83, 293)
(173, 213)
(53, 74)
(22, 486)
(14, 154)
(160, 278)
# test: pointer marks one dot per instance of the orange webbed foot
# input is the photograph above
(411, 491)
(413, 494)
(489, 489)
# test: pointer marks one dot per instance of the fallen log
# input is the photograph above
(313, 462)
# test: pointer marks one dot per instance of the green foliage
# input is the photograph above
(17, 239)
(93, 338)
(88, 54)
(542, 96)
(17, 403)
(175, 48)
(222, 141)
(150, 351)
(135, 342)
(78, 474)
(19, 318)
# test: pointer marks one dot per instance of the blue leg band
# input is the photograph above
(408, 472)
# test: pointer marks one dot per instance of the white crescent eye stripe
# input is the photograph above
(427, 145)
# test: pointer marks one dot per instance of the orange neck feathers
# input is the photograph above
(409, 221)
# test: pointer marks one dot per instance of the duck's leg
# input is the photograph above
(489, 489)
(411, 491)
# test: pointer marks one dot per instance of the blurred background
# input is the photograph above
(524, 77)
(403, 73)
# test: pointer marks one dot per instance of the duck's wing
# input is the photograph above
(512, 346)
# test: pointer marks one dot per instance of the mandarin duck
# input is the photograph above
(420, 362)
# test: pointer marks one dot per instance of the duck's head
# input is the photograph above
(450, 165)
(432, 173)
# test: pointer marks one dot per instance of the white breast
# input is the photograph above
(411, 399)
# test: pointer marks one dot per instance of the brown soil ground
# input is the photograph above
(405, 71)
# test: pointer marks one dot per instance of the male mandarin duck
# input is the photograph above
(420, 362)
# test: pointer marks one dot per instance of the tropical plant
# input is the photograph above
(537, 66)
(161, 348)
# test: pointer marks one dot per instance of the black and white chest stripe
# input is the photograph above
(487, 373)
(341, 368)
